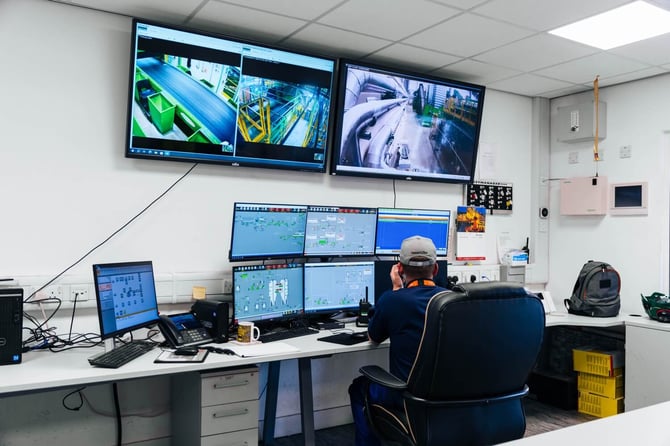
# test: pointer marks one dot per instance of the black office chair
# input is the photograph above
(479, 344)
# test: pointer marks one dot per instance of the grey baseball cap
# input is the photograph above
(417, 251)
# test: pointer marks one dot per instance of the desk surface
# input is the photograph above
(44, 370)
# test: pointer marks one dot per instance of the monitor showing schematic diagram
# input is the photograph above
(338, 286)
(340, 231)
(267, 292)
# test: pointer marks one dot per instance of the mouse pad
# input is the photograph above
(343, 339)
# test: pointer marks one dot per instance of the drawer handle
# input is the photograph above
(231, 384)
(230, 413)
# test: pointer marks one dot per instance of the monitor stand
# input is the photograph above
(110, 344)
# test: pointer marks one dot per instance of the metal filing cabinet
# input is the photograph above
(215, 408)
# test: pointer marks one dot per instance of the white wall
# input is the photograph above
(65, 185)
(637, 116)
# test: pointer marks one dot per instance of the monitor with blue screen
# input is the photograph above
(267, 292)
(126, 297)
(394, 225)
(267, 231)
(338, 286)
(340, 231)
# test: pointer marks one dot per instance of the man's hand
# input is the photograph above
(396, 279)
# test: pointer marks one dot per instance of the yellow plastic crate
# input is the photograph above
(599, 406)
(608, 386)
(598, 362)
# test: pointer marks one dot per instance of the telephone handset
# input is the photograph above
(183, 329)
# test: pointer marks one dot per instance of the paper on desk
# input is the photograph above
(260, 349)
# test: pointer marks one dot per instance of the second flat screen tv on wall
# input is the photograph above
(403, 125)
(207, 98)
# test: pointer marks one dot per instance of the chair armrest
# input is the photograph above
(380, 376)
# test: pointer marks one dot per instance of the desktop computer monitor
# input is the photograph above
(126, 297)
(333, 231)
(267, 231)
(383, 281)
(267, 293)
(395, 225)
(338, 286)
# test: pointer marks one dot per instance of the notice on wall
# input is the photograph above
(470, 233)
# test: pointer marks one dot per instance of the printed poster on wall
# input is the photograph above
(470, 233)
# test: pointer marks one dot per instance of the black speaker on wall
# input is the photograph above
(11, 322)
(214, 316)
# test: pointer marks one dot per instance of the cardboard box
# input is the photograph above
(599, 406)
(607, 386)
(598, 362)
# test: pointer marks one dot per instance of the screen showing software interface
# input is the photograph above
(336, 286)
(395, 225)
(267, 291)
(332, 231)
(127, 296)
(261, 230)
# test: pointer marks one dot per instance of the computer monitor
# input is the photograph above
(383, 281)
(395, 225)
(338, 286)
(267, 293)
(333, 231)
(264, 231)
(126, 297)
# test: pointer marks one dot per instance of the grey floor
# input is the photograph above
(540, 418)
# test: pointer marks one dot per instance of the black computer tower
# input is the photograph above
(214, 316)
(11, 325)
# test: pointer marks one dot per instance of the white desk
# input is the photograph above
(638, 427)
(41, 371)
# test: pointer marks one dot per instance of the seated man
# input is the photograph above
(398, 315)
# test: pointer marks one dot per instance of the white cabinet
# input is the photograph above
(647, 363)
(216, 408)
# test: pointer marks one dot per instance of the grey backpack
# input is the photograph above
(596, 292)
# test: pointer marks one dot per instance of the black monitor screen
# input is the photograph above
(126, 297)
(395, 225)
(267, 292)
(383, 279)
(203, 97)
(340, 231)
(337, 286)
(267, 231)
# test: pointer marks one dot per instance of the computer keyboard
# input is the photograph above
(121, 355)
(287, 334)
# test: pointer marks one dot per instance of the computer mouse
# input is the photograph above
(360, 335)
(186, 351)
(227, 351)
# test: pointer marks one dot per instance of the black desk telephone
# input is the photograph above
(183, 329)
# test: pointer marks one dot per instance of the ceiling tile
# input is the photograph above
(613, 80)
(413, 58)
(475, 72)
(302, 9)
(159, 10)
(528, 84)
(467, 35)
(587, 68)
(534, 52)
(565, 91)
(387, 19)
(545, 15)
(249, 23)
(335, 41)
(461, 4)
(654, 51)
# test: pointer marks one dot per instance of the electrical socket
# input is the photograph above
(227, 286)
(79, 292)
(51, 292)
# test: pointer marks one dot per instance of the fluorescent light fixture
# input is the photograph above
(620, 26)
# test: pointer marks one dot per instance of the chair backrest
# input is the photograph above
(480, 342)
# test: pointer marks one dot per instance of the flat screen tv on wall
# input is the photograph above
(207, 98)
(402, 125)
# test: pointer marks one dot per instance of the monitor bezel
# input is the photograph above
(383, 210)
(265, 256)
(274, 318)
(315, 208)
(338, 168)
(321, 312)
(119, 332)
(155, 150)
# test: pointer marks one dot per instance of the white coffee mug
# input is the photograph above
(247, 332)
